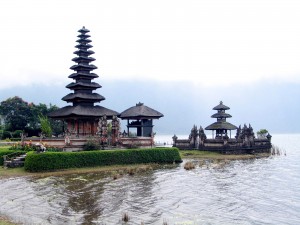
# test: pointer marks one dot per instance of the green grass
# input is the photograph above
(13, 172)
(5, 221)
(107, 170)
(196, 154)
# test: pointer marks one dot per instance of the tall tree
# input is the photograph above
(21, 115)
(16, 112)
(45, 125)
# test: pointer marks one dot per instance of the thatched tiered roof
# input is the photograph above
(221, 116)
(221, 125)
(83, 97)
(140, 111)
(82, 111)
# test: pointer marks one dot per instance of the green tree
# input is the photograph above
(45, 125)
(16, 112)
(21, 115)
(262, 133)
(56, 125)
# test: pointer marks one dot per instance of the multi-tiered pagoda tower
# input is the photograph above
(83, 115)
(221, 126)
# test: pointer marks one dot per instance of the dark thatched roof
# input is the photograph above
(85, 52)
(83, 85)
(221, 115)
(82, 111)
(85, 46)
(221, 107)
(85, 58)
(93, 97)
(83, 66)
(84, 30)
(140, 111)
(221, 125)
(83, 75)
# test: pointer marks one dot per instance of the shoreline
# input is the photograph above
(195, 154)
(108, 170)
(6, 221)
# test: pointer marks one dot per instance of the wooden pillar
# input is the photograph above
(128, 127)
(83, 128)
(77, 125)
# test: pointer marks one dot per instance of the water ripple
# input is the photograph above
(257, 191)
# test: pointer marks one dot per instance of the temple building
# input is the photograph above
(244, 141)
(83, 115)
(140, 117)
(221, 126)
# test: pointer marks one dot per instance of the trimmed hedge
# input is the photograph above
(7, 152)
(50, 161)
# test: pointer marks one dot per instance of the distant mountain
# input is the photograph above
(265, 105)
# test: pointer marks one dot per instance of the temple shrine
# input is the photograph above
(83, 115)
(140, 117)
(244, 141)
(84, 120)
(221, 126)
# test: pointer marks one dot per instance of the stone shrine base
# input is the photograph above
(76, 144)
(230, 146)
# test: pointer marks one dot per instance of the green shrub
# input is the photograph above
(53, 149)
(17, 133)
(50, 161)
(15, 139)
(91, 145)
(6, 134)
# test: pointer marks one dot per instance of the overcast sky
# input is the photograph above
(179, 57)
(207, 42)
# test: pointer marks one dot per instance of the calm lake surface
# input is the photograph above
(256, 191)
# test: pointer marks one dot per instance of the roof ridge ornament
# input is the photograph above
(139, 104)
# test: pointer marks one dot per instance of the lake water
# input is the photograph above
(256, 191)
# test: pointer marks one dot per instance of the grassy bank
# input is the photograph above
(107, 170)
(5, 221)
(15, 172)
(195, 154)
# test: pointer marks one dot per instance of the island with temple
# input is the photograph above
(84, 119)
(221, 141)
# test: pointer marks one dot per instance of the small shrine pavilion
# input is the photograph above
(83, 115)
(221, 126)
(140, 117)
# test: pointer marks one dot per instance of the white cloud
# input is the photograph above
(206, 42)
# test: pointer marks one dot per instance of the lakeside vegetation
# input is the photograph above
(196, 154)
(20, 116)
(184, 154)
(50, 161)
(6, 221)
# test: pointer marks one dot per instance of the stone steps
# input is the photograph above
(18, 161)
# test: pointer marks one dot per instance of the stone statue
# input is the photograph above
(194, 137)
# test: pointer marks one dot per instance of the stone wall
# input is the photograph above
(76, 144)
(223, 146)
